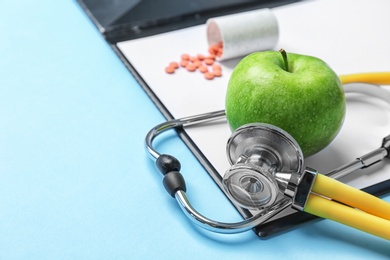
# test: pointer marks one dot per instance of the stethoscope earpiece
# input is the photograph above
(259, 153)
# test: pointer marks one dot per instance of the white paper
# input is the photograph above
(351, 36)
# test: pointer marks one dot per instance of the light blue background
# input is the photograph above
(75, 182)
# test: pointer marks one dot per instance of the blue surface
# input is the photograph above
(75, 182)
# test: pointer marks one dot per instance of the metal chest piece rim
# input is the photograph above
(259, 153)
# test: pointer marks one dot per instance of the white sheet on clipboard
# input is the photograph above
(350, 35)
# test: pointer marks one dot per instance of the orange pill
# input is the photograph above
(209, 61)
(174, 64)
(203, 69)
(217, 73)
(185, 57)
(169, 70)
(183, 63)
(211, 56)
(209, 75)
(200, 57)
(197, 63)
(215, 47)
(216, 66)
(212, 50)
(191, 67)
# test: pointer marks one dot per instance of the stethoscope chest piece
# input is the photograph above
(258, 153)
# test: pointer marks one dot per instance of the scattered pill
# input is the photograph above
(169, 70)
(216, 66)
(206, 64)
(209, 61)
(211, 56)
(183, 63)
(197, 63)
(217, 73)
(174, 64)
(191, 67)
(185, 57)
(200, 57)
(203, 69)
(209, 75)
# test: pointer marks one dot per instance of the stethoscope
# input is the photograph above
(267, 162)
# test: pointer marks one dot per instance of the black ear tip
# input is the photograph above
(167, 163)
(174, 181)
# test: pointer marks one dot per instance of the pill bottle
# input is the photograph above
(243, 33)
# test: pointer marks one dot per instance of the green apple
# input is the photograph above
(300, 94)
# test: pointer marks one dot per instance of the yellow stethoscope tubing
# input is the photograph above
(337, 201)
(325, 208)
(380, 78)
(342, 203)
(351, 196)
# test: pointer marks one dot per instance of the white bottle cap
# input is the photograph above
(243, 33)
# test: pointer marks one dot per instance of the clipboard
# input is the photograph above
(170, 21)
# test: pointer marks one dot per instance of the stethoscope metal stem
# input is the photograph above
(360, 163)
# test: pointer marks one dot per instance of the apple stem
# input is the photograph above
(284, 55)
